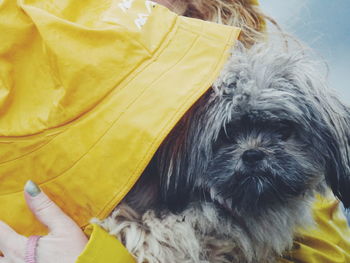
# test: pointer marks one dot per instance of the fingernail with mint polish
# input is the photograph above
(31, 188)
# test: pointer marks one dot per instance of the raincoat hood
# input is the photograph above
(88, 91)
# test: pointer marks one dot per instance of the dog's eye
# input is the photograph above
(226, 136)
(285, 130)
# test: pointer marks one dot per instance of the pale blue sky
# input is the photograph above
(325, 26)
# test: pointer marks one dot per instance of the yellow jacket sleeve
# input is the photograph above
(103, 248)
(328, 241)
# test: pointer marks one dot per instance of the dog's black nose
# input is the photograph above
(252, 156)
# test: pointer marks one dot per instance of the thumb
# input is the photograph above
(46, 210)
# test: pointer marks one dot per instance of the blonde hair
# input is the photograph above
(244, 14)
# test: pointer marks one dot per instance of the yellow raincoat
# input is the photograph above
(88, 91)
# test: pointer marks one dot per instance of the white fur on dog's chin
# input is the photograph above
(199, 235)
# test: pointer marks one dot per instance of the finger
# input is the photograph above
(46, 210)
(8, 237)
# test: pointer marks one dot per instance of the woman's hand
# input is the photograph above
(64, 243)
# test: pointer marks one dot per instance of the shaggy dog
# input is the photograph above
(239, 172)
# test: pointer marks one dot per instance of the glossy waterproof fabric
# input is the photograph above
(103, 248)
(88, 91)
(328, 241)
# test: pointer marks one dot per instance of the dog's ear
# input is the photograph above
(330, 128)
(338, 144)
(325, 118)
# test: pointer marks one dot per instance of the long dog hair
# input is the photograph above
(239, 172)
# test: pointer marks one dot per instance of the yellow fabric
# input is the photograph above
(103, 248)
(327, 242)
(88, 91)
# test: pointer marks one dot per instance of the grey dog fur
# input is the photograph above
(185, 207)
